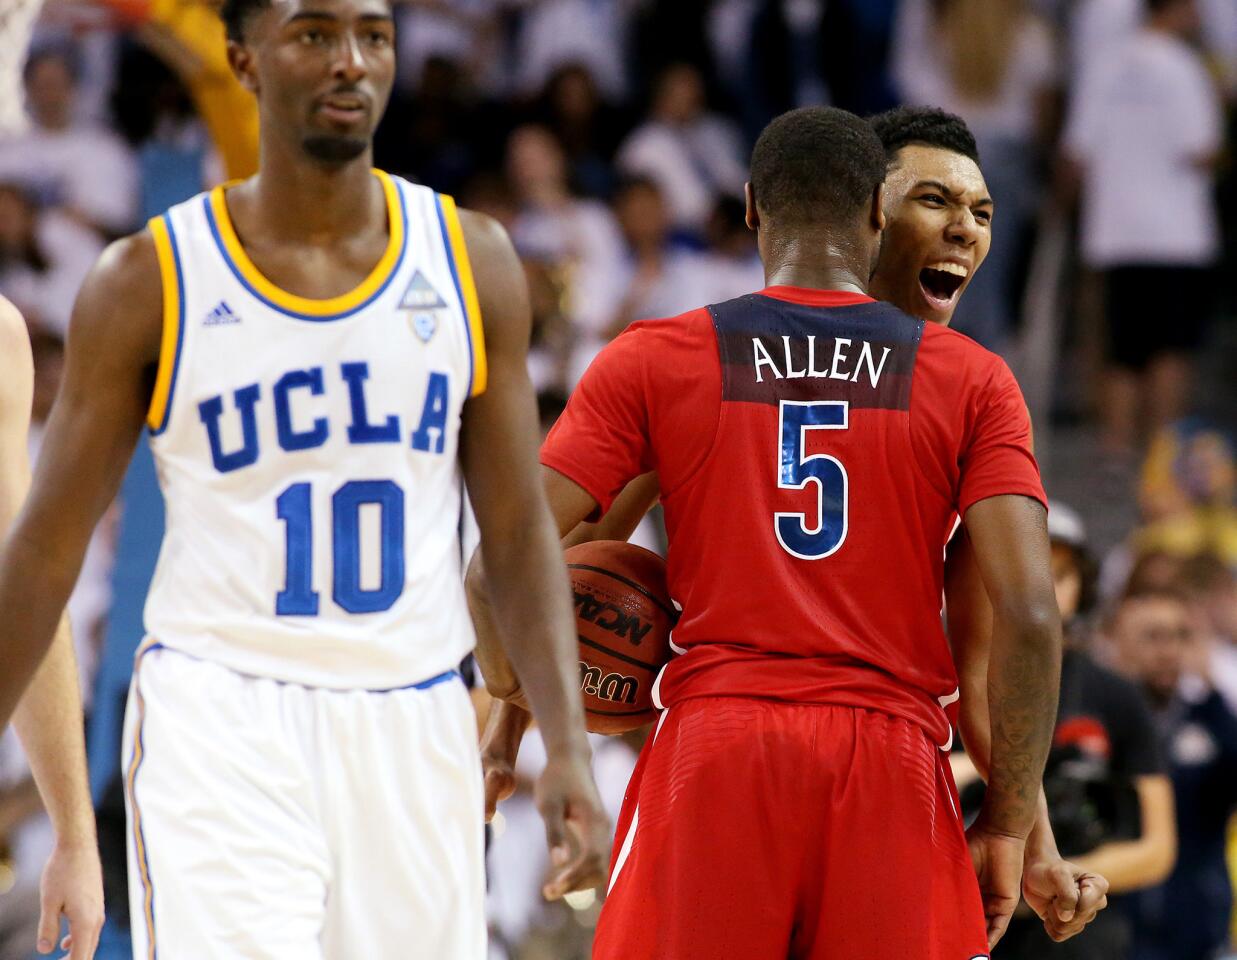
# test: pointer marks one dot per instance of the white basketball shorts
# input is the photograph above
(270, 821)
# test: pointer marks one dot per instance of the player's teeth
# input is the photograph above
(946, 267)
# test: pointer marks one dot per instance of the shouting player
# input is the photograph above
(320, 353)
(813, 446)
(936, 236)
(48, 718)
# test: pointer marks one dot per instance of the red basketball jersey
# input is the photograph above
(812, 448)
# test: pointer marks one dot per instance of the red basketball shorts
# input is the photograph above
(762, 830)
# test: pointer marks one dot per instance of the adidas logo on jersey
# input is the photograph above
(221, 315)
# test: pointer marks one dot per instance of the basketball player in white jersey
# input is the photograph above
(48, 718)
(322, 355)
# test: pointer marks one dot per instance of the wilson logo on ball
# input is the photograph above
(610, 617)
(614, 687)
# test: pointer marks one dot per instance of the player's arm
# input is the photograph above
(525, 577)
(1010, 538)
(621, 520)
(48, 718)
(509, 719)
(1064, 895)
(113, 344)
(114, 339)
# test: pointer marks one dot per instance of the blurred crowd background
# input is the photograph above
(611, 138)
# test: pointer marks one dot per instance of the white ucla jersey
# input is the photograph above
(307, 451)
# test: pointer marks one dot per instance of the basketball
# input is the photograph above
(623, 619)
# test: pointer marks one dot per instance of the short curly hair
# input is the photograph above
(234, 13)
(927, 126)
(816, 165)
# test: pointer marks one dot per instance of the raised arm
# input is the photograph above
(525, 578)
(1064, 895)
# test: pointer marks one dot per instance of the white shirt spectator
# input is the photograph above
(84, 168)
(1145, 126)
(921, 73)
(583, 236)
(1096, 27)
(691, 164)
(47, 296)
(589, 32)
(453, 29)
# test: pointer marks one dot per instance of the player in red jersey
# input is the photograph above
(814, 663)
(937, 209)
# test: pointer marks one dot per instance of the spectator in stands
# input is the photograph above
(588, 127)
(1188, 494)
(732, 263)
(1211, 587)
(1159, 644)
(592, 32)
(575, 249)
(1109, 798)
(185, 35)
(432, 136)
(44, 256)
(1146, 128)
(694, 156)
(464, 32)
(83, 171)
(993, 63)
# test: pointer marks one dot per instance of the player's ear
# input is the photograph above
(878, 207)
(749, 200)
(240, 59)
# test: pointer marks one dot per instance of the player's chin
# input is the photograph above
(335, 147)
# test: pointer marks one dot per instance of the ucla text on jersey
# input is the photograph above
(307, 451)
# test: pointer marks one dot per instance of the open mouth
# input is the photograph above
(942, 281)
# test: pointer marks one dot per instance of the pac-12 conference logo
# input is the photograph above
(424, 302)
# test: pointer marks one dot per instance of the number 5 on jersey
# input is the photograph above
(796, 471)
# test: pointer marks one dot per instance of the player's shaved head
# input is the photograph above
(816, 166)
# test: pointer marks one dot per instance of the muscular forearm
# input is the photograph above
(1023, 681)
(976, 736)
(526, 583)
(48, 720)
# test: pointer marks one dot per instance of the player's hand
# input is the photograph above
(576, 827)
(500, 745)
(998, 866)
(73, 887)
(1063, 895)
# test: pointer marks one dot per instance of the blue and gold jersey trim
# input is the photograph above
(307, 308)
(172, 280)
(139, 834)
(466, 288)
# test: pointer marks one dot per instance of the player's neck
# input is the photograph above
(295, 197)
(816, 263)
(814, 276)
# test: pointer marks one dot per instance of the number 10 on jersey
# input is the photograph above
(795, 471)
(295, 508)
